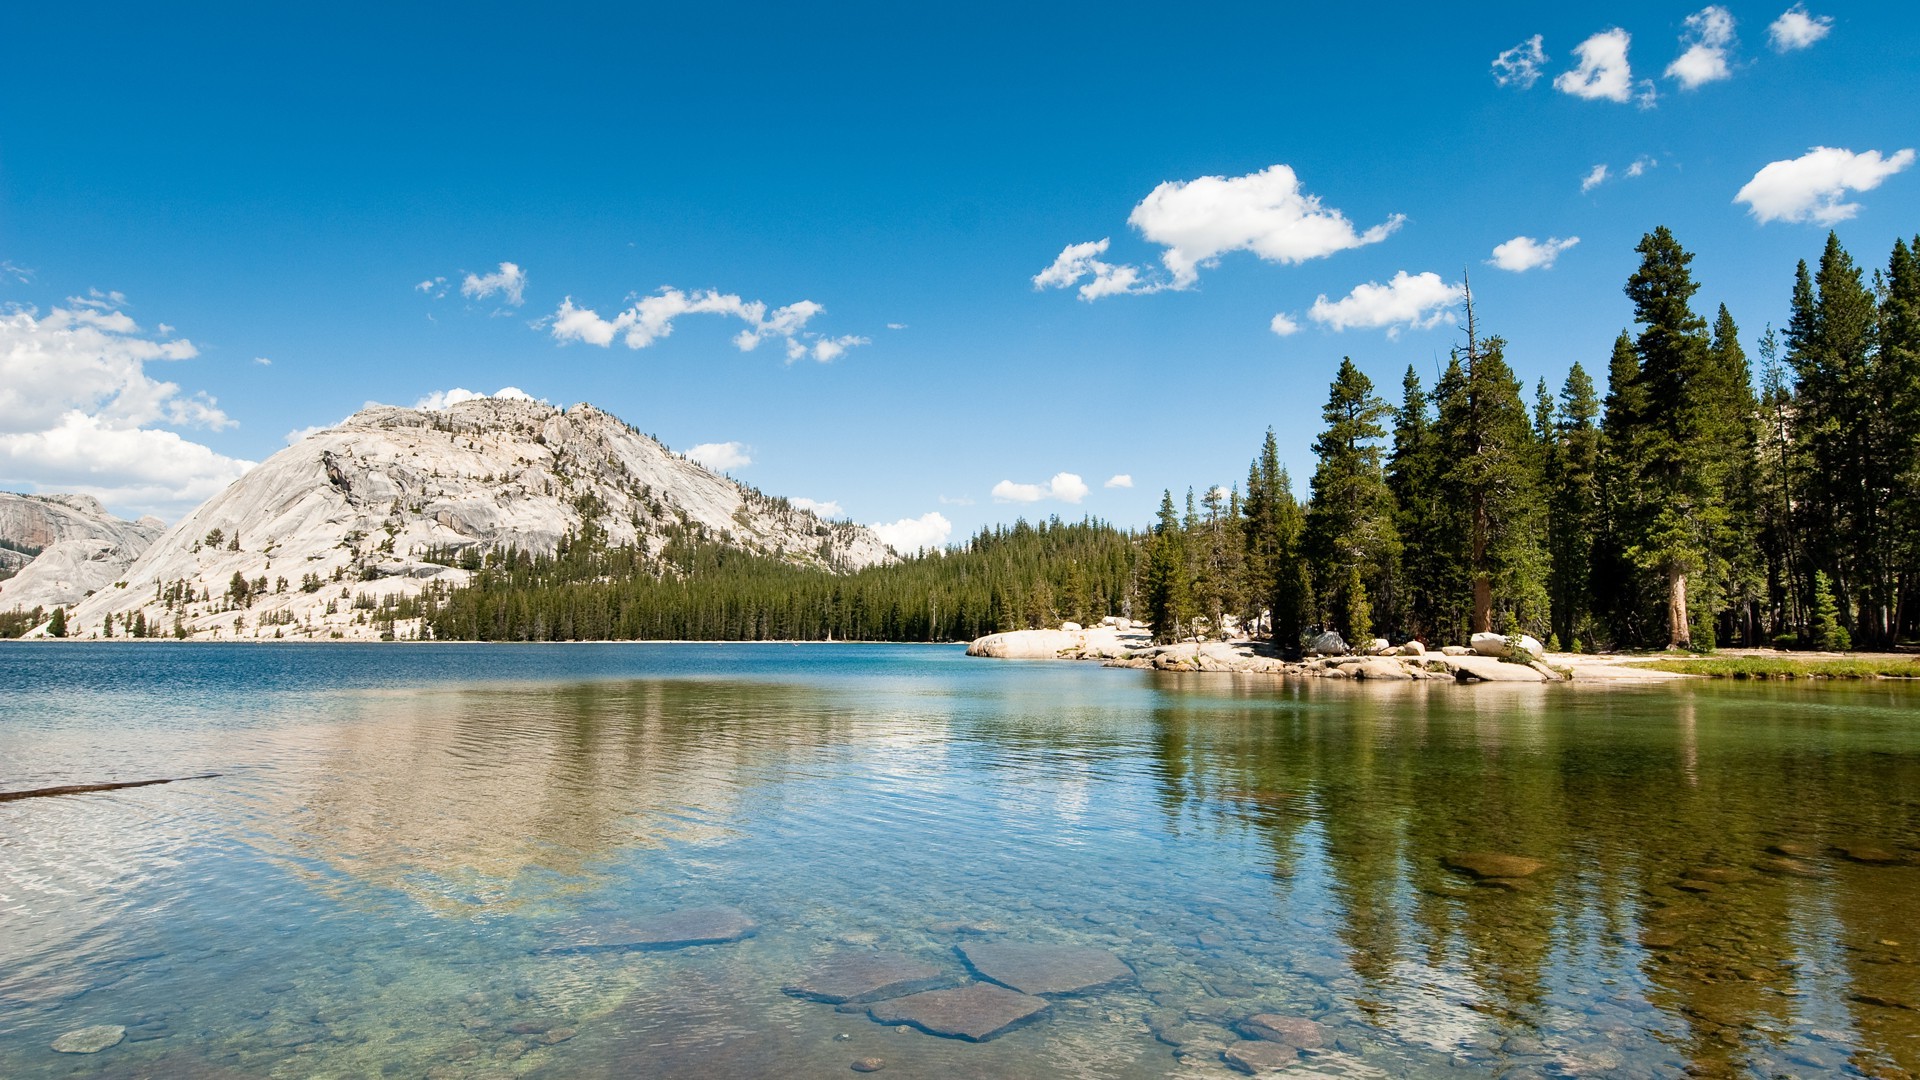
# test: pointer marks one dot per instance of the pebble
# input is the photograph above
(869, 1064)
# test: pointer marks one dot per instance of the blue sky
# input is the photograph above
(275, 186)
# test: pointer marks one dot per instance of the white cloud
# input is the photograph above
(1078, 261)
(435, 287)
(1419, 301)
(299, 434)
(956, 500)
(1523, 253)
(825, 509)
(1795, 29)
(1708, 36)
(1520, 65)
(509, 281)
(441, 400)
(1119, 480)
(721, 457)
(1064, 486)
(9, 268)
(908, 535)
(651, 318)
(1602, 173)
(896, 326)
(1813, 186)
(80, 412)
(1197, 221)
(1283, 324)
(1602, 73)
(263, 361)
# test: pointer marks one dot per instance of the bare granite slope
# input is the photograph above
(393, 500)
(62, 547)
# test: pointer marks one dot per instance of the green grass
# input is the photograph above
(1768, 667)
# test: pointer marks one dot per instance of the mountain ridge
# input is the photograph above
(394, 506)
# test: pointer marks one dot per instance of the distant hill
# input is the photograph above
(393, 502)
(55, 549)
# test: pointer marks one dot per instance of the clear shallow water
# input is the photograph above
(402, 833)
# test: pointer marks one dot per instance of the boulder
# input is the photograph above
(1045, 969)
(865, 977)
(1413, 648)
(1379, 647)
(1490, 669)
(90, 1040)
(1025, 645)
(975, 1012)
(1498, 645)
(1328, 643)
(1455, 650)
(1379, 667)
(1070, 626)
(1492, 864)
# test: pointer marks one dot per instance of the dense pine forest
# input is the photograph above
(1687, 503)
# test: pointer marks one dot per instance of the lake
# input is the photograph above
(462, 860)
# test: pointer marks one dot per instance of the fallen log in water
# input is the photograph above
(84, 789)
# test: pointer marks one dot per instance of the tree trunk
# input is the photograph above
(1679, 634)
(1482, 604)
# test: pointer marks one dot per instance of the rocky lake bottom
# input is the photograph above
(778, 860)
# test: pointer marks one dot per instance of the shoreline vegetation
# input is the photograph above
(1682, 510)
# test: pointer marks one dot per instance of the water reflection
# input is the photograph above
(375, 886)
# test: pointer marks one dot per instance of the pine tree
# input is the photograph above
(1413, 469)
(1169, 586)
(1831, 345)
(1350, 536)
(1829, 632)
(57, 623)
(1680, 503)
(1574, 507)
(1899, 394)
(1492, 477)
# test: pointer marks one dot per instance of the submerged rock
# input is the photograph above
(868, 1064)
(1296, 1031)
(1490, 864)
(1045, 969)
(975, 1012)
(672, 930)
(1258, 1056)
(90, 1040)
(1870, 855)
(1491, 669)
(856, 978)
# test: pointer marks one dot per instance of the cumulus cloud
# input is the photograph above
(1795, 29)
(1708, 36)
(1064, 486)
(908, 535)
(1813, 187)
(1595, 178)
(1418, 301)
(1523, 253)
(722, 456)
(1283, 324)
(445, 399)
(79, 410)
(1520, 65)
(509, 283)
(1119, 480)
(1196, 221)
(1640, 165)
(823, 508)
(650, 318)
(435, 287)
(1603, 73)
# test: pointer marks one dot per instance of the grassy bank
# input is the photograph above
(1786, 667)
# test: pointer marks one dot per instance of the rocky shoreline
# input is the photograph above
(1120, 643)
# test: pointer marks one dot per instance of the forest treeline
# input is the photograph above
(1685, 503)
